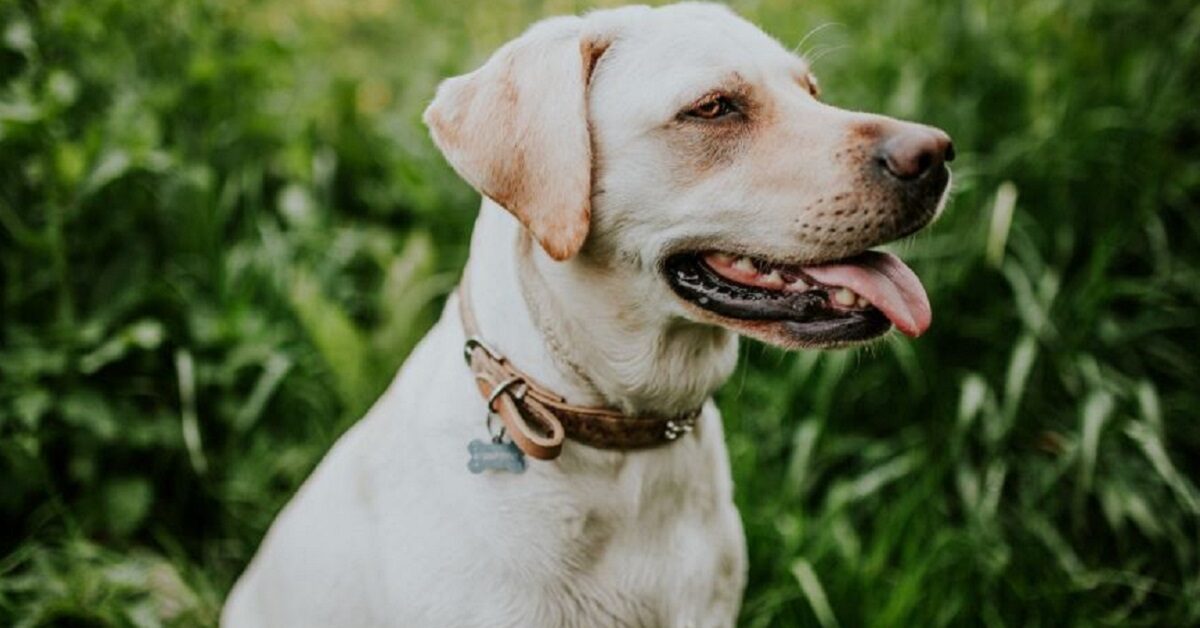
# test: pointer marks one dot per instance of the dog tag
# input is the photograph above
(495, 456)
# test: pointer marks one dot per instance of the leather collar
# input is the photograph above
(538, 420)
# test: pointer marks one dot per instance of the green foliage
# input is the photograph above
(222, 228)
(212, 264)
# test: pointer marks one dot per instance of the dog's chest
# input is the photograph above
(673, 575)
(550, 549)
(667, 567)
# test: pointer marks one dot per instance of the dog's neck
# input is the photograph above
(589, 333)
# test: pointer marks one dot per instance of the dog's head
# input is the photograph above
(686, 151)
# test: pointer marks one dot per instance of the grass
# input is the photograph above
(222, 227)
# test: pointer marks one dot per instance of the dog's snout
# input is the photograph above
(912, 152)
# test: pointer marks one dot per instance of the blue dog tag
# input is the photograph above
(495, 456)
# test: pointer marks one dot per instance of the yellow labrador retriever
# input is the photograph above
(656, 182)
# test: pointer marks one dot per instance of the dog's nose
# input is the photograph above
(910, 153)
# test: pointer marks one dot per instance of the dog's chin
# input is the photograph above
(794, 306)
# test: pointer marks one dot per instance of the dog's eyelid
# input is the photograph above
(728, 103)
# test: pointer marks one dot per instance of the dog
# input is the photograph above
(656, 183)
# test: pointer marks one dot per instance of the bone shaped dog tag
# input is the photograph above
(495, 456)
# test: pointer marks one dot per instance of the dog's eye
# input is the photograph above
(712, 108)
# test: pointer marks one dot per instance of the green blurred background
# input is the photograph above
(222, 227)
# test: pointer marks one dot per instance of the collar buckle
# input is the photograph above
(475, 342)
(503, 387)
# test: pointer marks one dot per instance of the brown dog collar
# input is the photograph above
(537, 420)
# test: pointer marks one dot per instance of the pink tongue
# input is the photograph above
(887, 283)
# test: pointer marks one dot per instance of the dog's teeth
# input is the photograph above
(861, 302)
(745, 265)
(798, 285)
(723, 259)
(772, 280)
(845, 297)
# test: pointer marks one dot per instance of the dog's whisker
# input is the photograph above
(815, 30)
(824, 52)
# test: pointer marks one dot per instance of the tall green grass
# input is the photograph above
(222, 228)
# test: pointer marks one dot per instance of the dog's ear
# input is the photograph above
(516, 129)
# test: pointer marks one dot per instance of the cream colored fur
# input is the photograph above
(391, 529)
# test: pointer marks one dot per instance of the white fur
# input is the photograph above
(391, 529)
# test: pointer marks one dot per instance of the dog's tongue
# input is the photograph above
(885, 281)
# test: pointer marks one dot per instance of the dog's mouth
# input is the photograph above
(827, 304)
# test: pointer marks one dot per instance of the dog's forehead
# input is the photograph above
(713, 33)
(678, 46)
